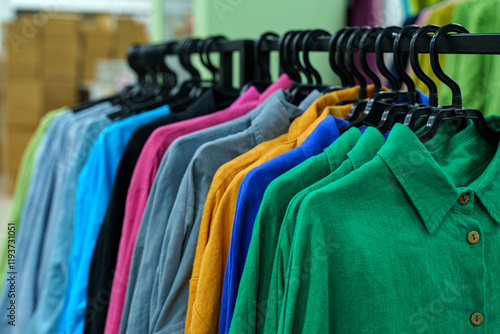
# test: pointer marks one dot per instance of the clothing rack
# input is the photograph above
(451, 44)
(226, 50)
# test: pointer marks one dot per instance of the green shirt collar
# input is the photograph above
(368, 144)
(430, 189)
(336, 153)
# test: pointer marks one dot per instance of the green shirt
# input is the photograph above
(387, 248)
(476, 74)
(365, 149)
(23, 181)
(251, 304)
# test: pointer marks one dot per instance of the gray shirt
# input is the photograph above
(158, 208)
(171, 288)
(48, 309)
(267, 121)
(39, 205)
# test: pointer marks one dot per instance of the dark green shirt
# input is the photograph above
(407, 243)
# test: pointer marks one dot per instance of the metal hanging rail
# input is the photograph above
(451, 44)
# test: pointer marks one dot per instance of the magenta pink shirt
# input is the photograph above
(143, 179)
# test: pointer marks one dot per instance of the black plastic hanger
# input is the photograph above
(340, 50)
(417, 113)
(360, 104)
(168, 76)
(377, 104)
(396, 113)
(284, 50)
(262, 68)
(352, 47)
(206, 46)
(363, 60)
(456, 110)
(346, 60)
(306, 48)
(295, 49)
(333, 55)
(183, 94)
(132, 55)
(300, 91)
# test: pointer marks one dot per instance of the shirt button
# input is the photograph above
(463, 199)
(473, 237)
(476, 319)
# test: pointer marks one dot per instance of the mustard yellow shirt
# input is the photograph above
(206, 283)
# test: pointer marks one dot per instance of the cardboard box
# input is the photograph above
(24, 57)
(17, 138)
(15, 142)
(53, 90)
(63, 66)
(13, 45)
(23, 102)
(89, 69)
(61, 72)
(18, 116)
(23, 31)
(58, 95)
(63, 24)
(122, 49)
(61, 53)
(96, 46)
(62, 40)
(14, 71)
(125, 28)
(59, 101)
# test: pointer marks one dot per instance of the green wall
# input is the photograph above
(240, 19)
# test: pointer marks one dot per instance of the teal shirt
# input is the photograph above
(387, 249)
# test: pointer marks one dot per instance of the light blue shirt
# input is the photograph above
(93, 191)
(46, 316)
(39, 205)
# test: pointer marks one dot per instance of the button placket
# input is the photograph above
(473, 244)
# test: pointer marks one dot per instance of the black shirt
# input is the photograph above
(105, 255)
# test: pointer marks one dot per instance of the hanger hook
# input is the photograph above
(205, 54)
(182, 53)
(332, 57)
(436, 67)
(295, 54)
(398, 63)
(132, 60)
(263, 66)
(415, 40)
(379, 56)
(284, 50)
(306, 47)
(341, 54)
(169, 77)
(355, 36)
(150, 60)
(368, 36)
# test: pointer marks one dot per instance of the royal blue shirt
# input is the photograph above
(93, 191)
(250, 196)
